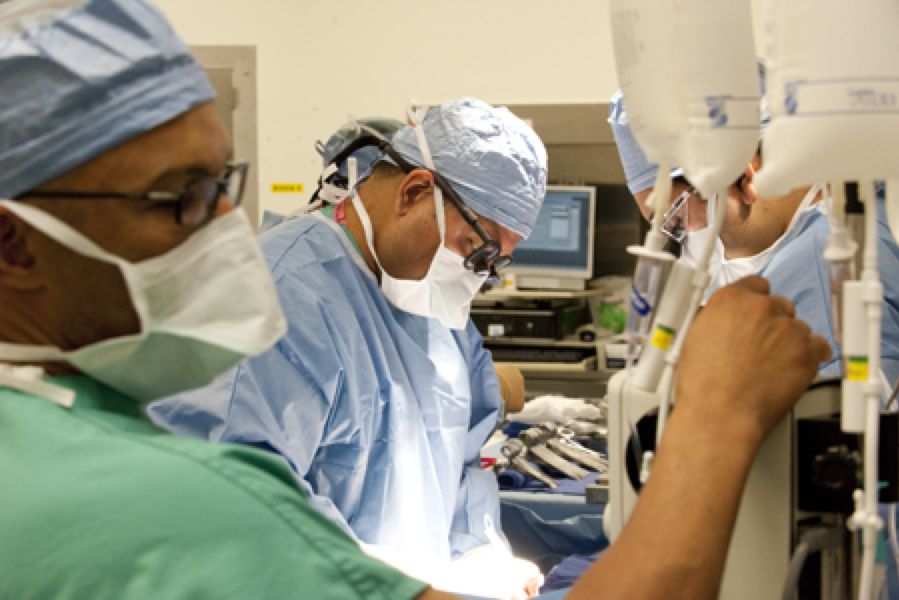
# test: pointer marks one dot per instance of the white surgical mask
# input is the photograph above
(695, 241)
(446, 291)
(203, 307)
(730, 271)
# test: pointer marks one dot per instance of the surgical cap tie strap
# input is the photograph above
(416, 115)
(366, 226)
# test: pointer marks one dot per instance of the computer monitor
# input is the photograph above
(559, 253)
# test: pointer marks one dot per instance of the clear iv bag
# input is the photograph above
(833, 93)
(689, 78)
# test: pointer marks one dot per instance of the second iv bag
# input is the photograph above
(833, 93)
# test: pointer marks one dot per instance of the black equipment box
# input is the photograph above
(830, 463)
(540, 354)
(541, 324)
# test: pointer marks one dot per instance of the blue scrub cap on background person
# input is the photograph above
(366, 157)
(493, 160)
(765, 111)
(641, 175)
(80, 77)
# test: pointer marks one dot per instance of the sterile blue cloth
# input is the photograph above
(547, 528)
(381, 413)
(567, 572)
(97, 74)
(367, 157)
(513, 480)
(493, 160)
(513, 428)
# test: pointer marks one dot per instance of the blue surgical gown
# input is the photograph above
(381, 413)
(800, 273)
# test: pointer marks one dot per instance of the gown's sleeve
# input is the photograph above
(888, 262)
(478, 492)
(267, 402)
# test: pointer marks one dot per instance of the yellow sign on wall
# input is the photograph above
(287, 188)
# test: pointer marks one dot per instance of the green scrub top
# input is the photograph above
(96, 502)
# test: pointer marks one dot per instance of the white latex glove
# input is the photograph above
(555, 408)
(481, 572)
(485, 572)
(413, 567)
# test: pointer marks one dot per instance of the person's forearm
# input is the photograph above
(675, 544)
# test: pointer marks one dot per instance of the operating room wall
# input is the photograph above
(320, 60)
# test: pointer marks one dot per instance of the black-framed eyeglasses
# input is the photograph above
(486, 258)
(195, 203)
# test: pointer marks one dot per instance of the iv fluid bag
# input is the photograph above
(833, 92)
(689, 78)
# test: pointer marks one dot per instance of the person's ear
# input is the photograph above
(416, 187)
(747, 187)
(18, 263)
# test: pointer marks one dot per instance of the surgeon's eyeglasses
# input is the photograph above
(486, 258)
(195, 203)
(677, 217)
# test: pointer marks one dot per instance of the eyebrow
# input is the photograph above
(185, 174)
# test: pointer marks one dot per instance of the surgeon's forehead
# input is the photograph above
(501, 234)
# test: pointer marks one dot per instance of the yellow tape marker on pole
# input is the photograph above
(858, 368)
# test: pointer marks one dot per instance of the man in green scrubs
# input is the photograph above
(98, 101)
(127, 274)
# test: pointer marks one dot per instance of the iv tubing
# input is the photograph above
(700, 283)
(655, 240)
(894, 541)
(869, 520)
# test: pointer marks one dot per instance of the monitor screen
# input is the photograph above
(562, 236)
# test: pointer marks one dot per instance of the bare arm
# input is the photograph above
(675, 544)
(746, 361)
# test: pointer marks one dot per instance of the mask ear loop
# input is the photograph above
(366, 226)
(807, 202)
(30, 380)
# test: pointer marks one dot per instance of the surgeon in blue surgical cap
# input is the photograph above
(381, 395)
(128, 273)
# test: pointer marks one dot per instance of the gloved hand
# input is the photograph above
(491, 574)
(481, 572)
